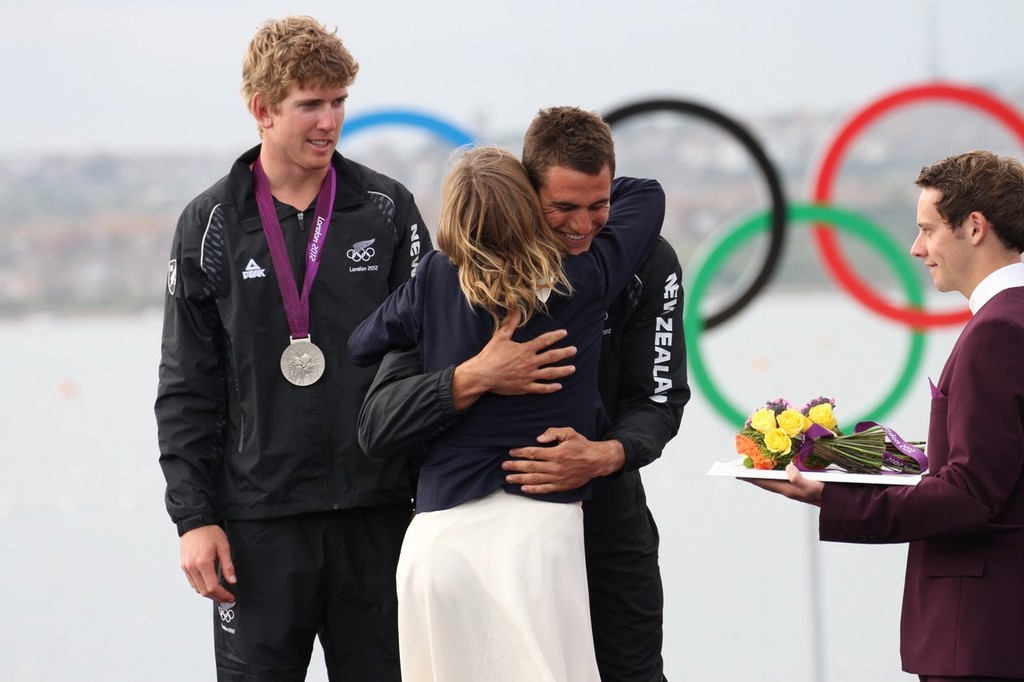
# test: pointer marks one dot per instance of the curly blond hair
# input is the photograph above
(294, 51)
(493, 230)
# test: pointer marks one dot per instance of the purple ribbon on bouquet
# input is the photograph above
(903, 446)
(817, 431)
(813, 433)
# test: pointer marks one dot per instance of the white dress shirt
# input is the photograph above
(1004, 278)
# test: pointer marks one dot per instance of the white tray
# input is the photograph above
(736, 469)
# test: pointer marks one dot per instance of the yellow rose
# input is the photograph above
(777, 440)
(822, 414)
(763, 420)
(791, 421)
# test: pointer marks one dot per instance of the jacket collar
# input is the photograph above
(348, 192)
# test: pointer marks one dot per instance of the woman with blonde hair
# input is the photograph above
(491, 582)
(493, 231)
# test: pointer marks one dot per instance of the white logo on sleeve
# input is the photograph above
(414, 247)
(663, 341)
(253, 270)
(172, 275)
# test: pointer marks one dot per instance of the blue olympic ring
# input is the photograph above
(409, 118)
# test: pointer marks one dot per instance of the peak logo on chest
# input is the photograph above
(253, 270)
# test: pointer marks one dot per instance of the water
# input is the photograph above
(91, 590)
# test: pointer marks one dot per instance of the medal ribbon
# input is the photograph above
(296, 305)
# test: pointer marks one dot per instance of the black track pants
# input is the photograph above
(329, 574)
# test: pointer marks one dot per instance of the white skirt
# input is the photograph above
(496, 589)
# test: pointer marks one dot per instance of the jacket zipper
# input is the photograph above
(329, 458)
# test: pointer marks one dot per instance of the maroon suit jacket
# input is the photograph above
(963, 600)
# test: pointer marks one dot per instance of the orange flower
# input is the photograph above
(762, 462)
(746, 446)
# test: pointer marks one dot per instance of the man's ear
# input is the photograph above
(977, 227)
(261, 112)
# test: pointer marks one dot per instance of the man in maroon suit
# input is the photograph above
(963, 601)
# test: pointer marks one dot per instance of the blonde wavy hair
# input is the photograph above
(294, 51)
(493, 230)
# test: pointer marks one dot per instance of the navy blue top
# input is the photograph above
(464, 463)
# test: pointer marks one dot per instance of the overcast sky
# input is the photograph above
(135, 76)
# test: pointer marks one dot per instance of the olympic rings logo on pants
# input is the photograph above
(226, 611)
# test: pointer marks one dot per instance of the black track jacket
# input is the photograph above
(237, 441)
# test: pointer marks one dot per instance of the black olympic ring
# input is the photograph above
(778, 207)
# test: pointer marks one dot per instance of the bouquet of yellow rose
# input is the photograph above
(778, 434)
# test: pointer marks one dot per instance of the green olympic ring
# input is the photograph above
(849, 221)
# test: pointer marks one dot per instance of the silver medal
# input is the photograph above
(302, 363)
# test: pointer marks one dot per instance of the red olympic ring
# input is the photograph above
(825, 238)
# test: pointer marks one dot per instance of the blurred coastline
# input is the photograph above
(90, 234)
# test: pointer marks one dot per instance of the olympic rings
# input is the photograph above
(846, 220)
(361, 254)
(775, 222)
(778, 201)
(826, 239)
(407, 117)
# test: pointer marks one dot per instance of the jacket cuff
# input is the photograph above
(628, 450)
(192, 522)
(444, 392)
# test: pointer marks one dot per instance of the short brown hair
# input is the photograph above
(980, 181)
(294, 51)
(568, 137)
